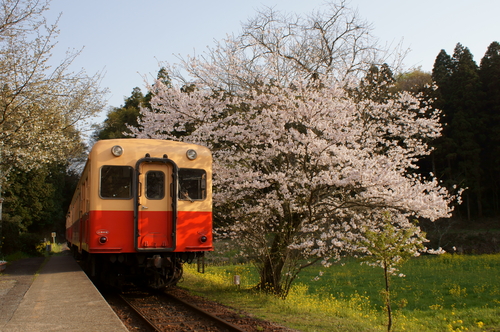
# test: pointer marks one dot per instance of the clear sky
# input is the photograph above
(125, 39)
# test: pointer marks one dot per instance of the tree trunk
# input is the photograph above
(388, 298)
(272, 267)
(275, 260)
(270, 277)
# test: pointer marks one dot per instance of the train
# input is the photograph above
(142, 208)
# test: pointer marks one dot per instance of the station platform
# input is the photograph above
(59, 298)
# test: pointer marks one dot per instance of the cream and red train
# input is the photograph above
(142, 208)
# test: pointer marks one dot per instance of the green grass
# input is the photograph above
(439, 293)
(16, 256)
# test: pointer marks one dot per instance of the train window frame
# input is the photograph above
(200, 175)
(147, 187)
(111, 173)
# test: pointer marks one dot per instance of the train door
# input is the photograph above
(155, 212)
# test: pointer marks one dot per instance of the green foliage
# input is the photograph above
(413, 81)
(34, 200)
(35, 203)
(388, 247)
(16, 241)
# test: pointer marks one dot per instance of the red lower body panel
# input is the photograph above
(192, 233)
(116, 226)
(155, 230)
(192, 228)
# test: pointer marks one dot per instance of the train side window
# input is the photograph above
(116, 182)
(192, 184)
(155, 185)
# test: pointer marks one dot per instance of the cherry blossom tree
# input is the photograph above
(302, 166)
(40, 103)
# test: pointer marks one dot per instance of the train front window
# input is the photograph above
(116, 182)
(192, 184)
(155, 185)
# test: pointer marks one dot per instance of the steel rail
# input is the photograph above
(220, 321)
(140, 314)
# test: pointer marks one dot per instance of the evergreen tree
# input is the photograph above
(164, 78)
(115, 125)
(376, 85)
(489, 73)
(467, 125)
(441, 75)
(458, 152)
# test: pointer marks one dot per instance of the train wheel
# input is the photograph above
(160, 278)
(162, 271)
(156, 279)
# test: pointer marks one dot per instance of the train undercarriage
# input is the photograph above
(156, 270)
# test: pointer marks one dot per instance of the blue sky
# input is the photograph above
(125, 39)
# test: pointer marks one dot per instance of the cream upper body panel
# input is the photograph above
(136, 149)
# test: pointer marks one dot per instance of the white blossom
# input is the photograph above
(300, 163)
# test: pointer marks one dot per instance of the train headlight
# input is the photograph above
(191, 154)
(117, 150)
(203, 239)
(103, 239)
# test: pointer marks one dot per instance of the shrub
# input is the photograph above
(31, 244)
(10, 237)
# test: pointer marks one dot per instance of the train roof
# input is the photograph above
(134, 149)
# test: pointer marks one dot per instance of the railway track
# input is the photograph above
(167, 312)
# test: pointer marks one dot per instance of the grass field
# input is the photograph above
(439, 293)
